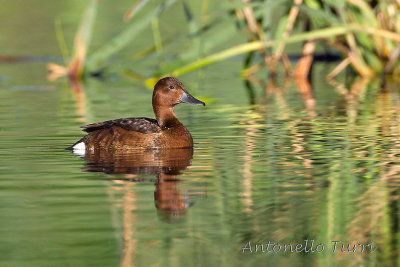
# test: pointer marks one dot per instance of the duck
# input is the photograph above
(165, 131)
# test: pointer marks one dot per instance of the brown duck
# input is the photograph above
(166, 131)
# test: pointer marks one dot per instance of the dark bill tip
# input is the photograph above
(188, 98)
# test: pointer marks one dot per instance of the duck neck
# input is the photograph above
(166, 117)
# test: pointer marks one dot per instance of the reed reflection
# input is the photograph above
(166, 164)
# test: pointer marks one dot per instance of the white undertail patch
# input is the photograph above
(79, 149)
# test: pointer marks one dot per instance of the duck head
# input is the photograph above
(169, 92)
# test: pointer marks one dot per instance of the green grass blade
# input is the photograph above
(86, 27)
(133, 10)
(82, 40)
(321, 17)
(61, 41)
(156, 34)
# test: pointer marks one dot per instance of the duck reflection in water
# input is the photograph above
(166, 164)
(161, 146)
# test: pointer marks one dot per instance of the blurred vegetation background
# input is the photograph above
(272, 35)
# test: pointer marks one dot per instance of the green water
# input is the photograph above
(281, 170)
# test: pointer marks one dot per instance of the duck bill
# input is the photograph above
(188, 98)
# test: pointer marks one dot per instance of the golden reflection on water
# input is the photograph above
(129, 245)
(79, 93)
(370, 218)
(247, 168)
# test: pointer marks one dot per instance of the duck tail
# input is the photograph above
(77, 142)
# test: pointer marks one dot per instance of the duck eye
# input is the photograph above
(171, 87)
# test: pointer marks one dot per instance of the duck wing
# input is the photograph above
(141, 125)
